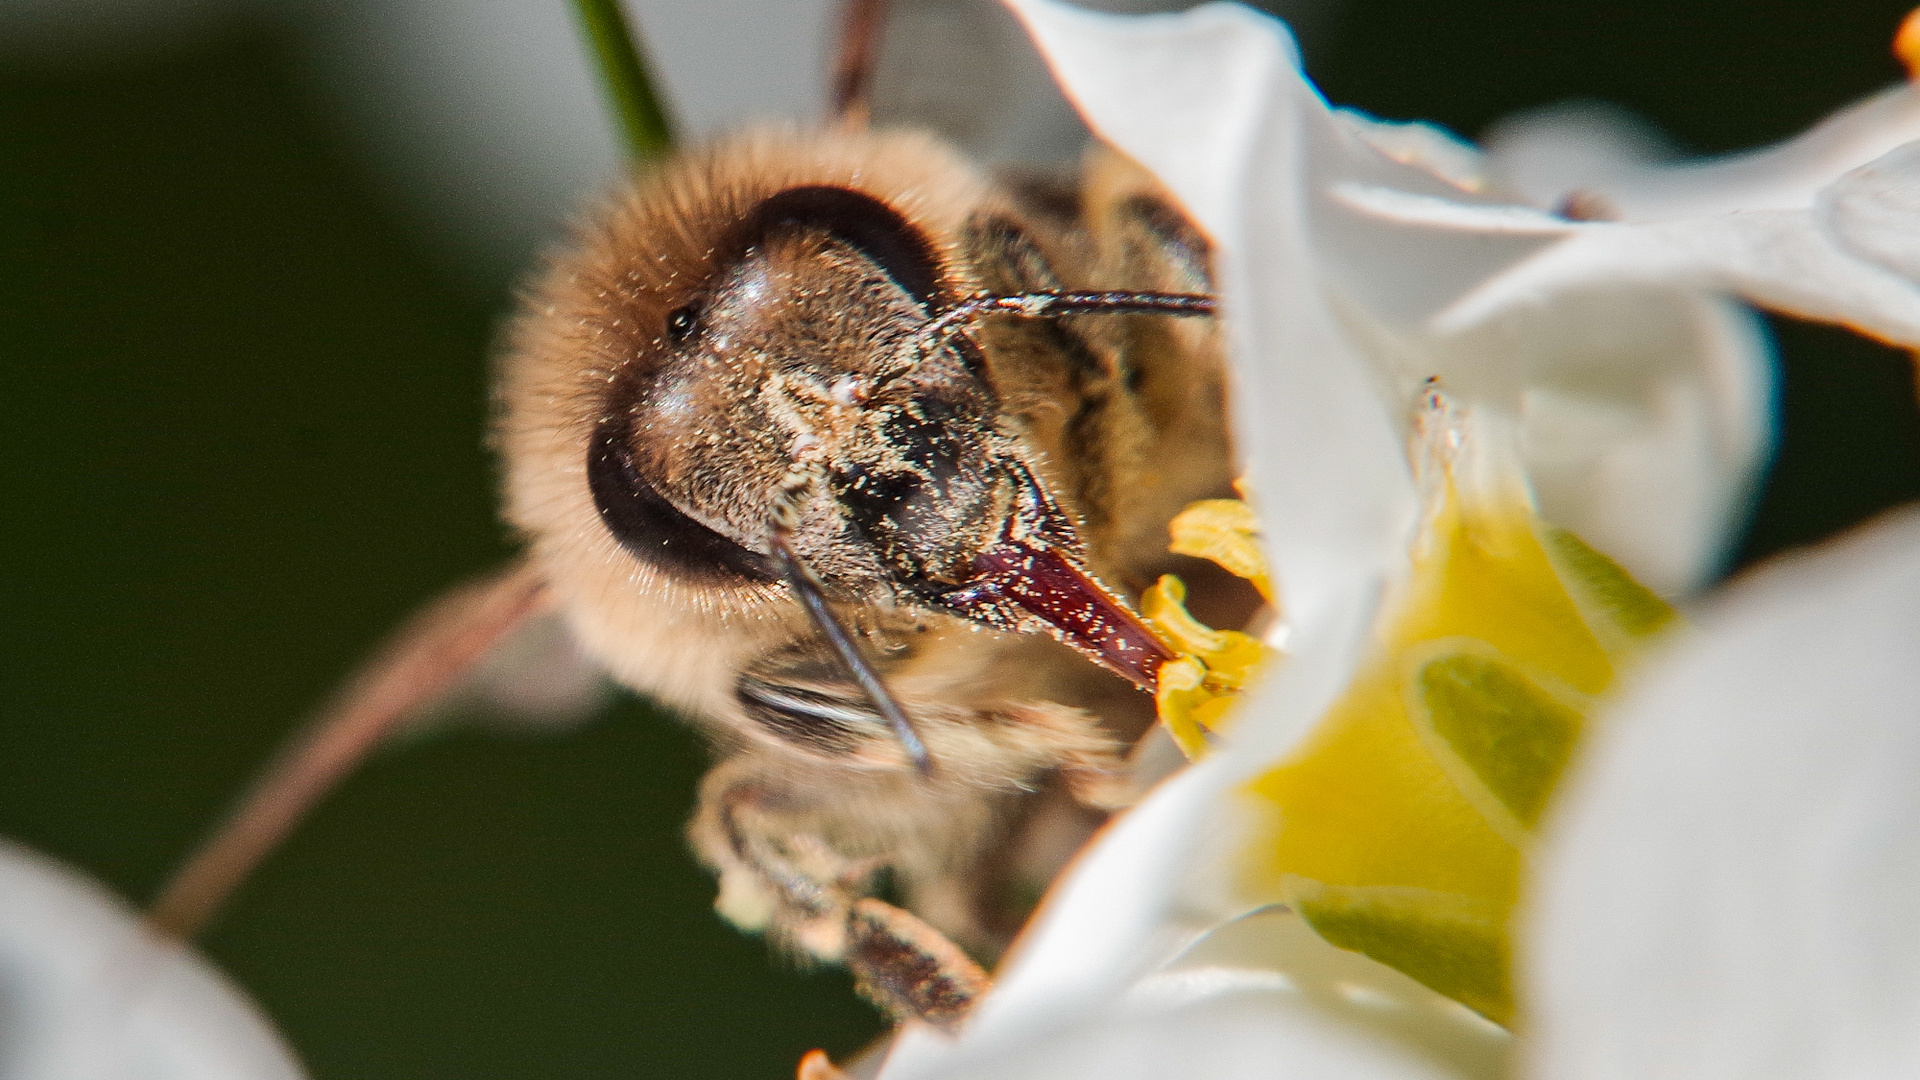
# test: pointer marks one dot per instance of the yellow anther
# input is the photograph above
(1197, 688)
(1225, 531)
(1235, 663)
(1165, 608)
(1181, 688)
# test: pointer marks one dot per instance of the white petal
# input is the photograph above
(1213, 103)
(1731, 888)
(1254, 1034)
(1646, 420)
(1874, 211)
(1779, 259)
(1334, 262)
(1425, 146)
(1225, 1010)
(1154, 880)
(87, 992)
(1427, 211)
(1646, 409)
(1111, 917)
(1273, 950)
(1556, 153)
(1547, 154)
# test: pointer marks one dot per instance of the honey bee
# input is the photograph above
(857, 456)
(733, 393)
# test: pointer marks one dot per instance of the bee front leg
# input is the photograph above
(780, 875)
(775, 877)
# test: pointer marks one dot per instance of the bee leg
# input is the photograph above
(909, 969)
(779, 876)
(774, 878)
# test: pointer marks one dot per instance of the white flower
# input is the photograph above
(1732, 890)
(1356, 260)
(89, 992)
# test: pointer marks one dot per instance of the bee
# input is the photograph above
(857, 456)
(732, 399)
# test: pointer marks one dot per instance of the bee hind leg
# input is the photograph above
(778, 875)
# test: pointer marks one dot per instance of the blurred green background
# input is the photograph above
(243, 421)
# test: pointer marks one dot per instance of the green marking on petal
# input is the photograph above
(1513, 735)
(1606, 589)
(1452, 944)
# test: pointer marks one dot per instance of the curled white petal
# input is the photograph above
(87, 992)
(1212, 101)
(1350, 274)
(1553, 154)
(1405, 208)
(1730, 890)
(1779, 259)
(1873, 212)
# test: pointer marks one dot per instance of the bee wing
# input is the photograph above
(426, 658)
(536, 679)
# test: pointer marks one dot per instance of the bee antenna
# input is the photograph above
(942, 328)
(862, 25)
(813, 599)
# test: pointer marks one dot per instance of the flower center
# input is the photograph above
(1400, 827)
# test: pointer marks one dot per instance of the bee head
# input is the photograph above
(755, 376)
(783, 392)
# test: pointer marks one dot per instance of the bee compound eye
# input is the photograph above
(682, 320)
(651, 528)
(868, 226)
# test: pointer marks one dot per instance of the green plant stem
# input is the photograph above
(624, 74)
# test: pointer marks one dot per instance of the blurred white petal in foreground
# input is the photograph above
(88, 992)
(1732, 888)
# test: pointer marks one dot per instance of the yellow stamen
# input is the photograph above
(1225, 531)
(1197, 688)
(1165, 608)
(1181, 688)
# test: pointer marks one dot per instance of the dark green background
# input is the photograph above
(242, 423)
